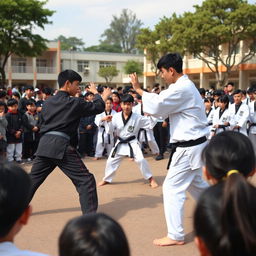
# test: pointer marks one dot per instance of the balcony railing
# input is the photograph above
(46, 70)
(22, 69)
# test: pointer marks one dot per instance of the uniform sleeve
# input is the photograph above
(91, 108)
(243, 116)
(147, 122)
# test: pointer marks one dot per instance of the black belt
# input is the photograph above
(122, 141)
(184, 144)
(145, 134)
(250, 126)
(62, 134)
(103, 132)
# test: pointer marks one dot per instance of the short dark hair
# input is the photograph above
(47, 91)
(218, 93)
(15, 189)
(29, 87)
(238, 91)
(3, 94)
(127, 98)
(117, 94)
(169, 60)
(3, 104)
(231, 83)
(30, 102)
(93, 234)
(16, 94)
(68, 75)
(224, 99)
(88, 94)
(201, 91)
(11, 102)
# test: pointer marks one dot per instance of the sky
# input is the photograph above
(87, 19)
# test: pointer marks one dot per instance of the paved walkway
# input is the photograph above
(129, 200)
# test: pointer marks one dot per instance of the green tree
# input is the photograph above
(17, 20)
(103, 47)
(132, 66)
(108, 73)
(123, 31)
(213, 34)
(70, 43)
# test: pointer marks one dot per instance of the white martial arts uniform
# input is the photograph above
(146, 135)
(210, 115)
(239, 118)
(220, 118)
(125, 131)
(104, 140)
(252, 126)
(184, 106)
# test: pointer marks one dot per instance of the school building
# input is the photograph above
(42, 71)
(243, 75)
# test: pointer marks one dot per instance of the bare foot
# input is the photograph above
(153, 183)
(95, 158)
(166, 241)
(102, 183)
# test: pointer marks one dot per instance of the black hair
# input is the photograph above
(224, 99)
(3, 94)
(47, 91)
(243, 92)
(16, 94)
(109, 98)
(225, 217)
(29, 87)
(117, 94)
(173, 60)
(11, 102)
(238, 91)
(230, 83)
(127, 98)
(3, 104)
(15, 189)
(93, 234)
(227, 151)
(138, 96)
(68, 75)
(88, 94)
(30, 102)
(201, 91)
(126, 89)
(218, 93)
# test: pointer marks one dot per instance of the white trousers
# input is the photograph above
(180, 178)
(154, 147)
(114, 162)
(14, 151)
(100, 149)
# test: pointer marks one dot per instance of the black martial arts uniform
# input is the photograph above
(60, 118)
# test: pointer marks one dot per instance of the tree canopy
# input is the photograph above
(70, 43)
(132, 66)
(108, 73)
(17, 20)
(212, 33)
(103, 47)
(123, 31)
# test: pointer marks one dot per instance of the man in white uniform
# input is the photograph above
(188, 130)
(126, 126)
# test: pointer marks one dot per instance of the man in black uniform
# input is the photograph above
(60, 118)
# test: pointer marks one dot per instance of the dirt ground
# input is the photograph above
(129, 200)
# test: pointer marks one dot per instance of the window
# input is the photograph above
(19, 65)
(107, 64)
(82, 65)
(41, 63)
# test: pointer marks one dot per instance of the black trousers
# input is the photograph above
(85, 145)
(161, 136)
(74, 168)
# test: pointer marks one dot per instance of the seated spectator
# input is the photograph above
(224, 218)
(93, 235)
(15, 186)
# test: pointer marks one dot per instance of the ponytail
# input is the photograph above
(225, 217)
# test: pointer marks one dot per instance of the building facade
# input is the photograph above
(243, 75)
(42, 71)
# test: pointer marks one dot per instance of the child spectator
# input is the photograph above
(3, 127)
(116, 102)
(14, 131)
(224, 218)
(15, 188)
(93, 234)
(31, 132)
